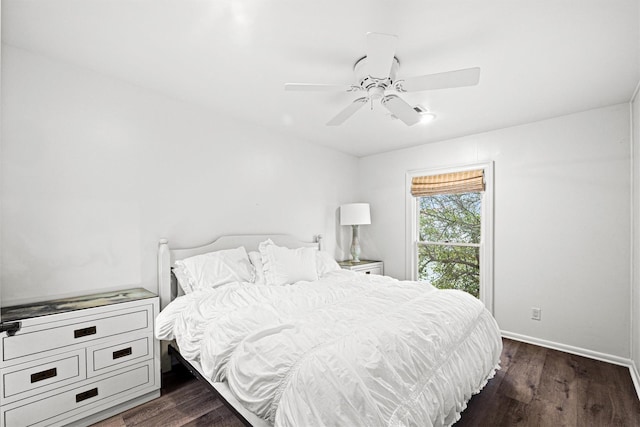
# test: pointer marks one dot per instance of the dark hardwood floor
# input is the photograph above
(535, 387)
(542, 387)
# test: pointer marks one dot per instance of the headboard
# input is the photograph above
(167, 286)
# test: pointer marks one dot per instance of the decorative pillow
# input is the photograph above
(325, 263)
(283, 265)
(256, 259)
(185, 281)
(217, 268)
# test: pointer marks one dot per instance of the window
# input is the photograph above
(449, 241)
(449, 218)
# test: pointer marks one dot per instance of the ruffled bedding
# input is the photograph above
(347, 349)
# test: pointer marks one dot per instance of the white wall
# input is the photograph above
(562, 222)
(96, 171)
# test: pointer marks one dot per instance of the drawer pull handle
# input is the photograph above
(79, 333)
(122, 353)
(44, 375)
(86, 395)
(368, 272)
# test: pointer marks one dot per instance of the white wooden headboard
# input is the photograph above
(167, 287)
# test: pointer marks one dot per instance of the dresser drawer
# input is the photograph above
(42, 375)
(69, 333)
(109, 355)
(56, 408)
(373, 270)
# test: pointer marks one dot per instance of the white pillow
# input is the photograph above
(283, 265)
(325, 263)
(185, 281)
(215, 269)
(256, 259)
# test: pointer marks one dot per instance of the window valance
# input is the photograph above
(448, 183)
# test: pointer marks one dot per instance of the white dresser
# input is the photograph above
(78, 360)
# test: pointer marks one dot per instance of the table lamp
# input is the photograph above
(355, 214)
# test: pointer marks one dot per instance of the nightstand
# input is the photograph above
(78, 360)
(364, 266)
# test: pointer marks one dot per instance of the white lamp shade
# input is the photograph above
(355, 214)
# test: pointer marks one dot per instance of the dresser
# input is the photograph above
(78, 360)
(364, 266)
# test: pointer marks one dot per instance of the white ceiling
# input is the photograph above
(539, 59)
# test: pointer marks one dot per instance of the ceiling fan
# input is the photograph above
(376, 78)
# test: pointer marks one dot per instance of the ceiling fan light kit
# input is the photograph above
(425, 115)
(376, 74)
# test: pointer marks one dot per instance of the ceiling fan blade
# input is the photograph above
(313, 87)
(347, 112)
(449, 79)
(381, 49)
(401, 109)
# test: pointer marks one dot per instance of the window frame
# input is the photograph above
(486, 227)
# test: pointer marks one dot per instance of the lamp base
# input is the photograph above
(355, 243)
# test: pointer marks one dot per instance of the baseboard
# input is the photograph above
(633, 369)
(604, 357)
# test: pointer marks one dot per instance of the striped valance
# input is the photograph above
(448, 183)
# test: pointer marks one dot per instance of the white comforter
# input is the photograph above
(348, 349)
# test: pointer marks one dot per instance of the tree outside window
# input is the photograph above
(449, 241)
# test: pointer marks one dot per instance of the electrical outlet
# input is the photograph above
(536, 313)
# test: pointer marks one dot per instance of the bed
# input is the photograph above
(285, 337)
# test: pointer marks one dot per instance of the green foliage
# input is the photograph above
(450, 218)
